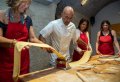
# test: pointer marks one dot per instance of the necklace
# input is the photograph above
(16, 17)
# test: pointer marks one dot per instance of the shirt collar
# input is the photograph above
(64, 24)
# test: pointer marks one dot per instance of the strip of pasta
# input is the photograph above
(17, 55)
(83, 60)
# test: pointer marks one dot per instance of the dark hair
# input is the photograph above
(84, 20)
(107, 22)
(109, 28)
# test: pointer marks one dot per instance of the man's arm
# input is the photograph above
(45, 32)
(41, 38)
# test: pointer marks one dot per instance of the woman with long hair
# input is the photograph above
(106, 39)
(83, 41)
(15, 25)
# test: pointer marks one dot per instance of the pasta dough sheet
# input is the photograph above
(83, 60)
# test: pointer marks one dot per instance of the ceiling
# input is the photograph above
(91, 8)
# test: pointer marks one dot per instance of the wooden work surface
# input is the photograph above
(93, 71)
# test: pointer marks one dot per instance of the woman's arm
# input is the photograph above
(32, 36)
(4, 42)
(97, 43)
(115, 41)
(89, 45)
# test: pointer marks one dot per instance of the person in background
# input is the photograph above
(15, 26)
(106, 39)
(83, 41)
(61, 32)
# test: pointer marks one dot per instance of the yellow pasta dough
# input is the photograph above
(84, 59)
(17, 55)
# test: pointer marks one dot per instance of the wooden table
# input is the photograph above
(50, 75)
(100, 72)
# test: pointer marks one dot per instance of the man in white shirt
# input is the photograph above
(61, 32)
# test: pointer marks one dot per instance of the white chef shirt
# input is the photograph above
(78, 32)
(60, 35)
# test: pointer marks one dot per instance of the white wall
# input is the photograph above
(110, 12)
(41, 16)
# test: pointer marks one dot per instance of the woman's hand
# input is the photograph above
(88, 48)
(14, 41)
(98, 52)
(49, 50)
(27, 47)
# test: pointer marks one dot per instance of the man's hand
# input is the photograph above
(49, 50)
(118, 53)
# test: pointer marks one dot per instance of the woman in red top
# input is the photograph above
(106, 38)
(15, 26)
(83, 42)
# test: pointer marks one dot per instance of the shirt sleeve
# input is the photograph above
(29, 21)
(46, 31)
(2, 25)
(77, 34)
(31, 24)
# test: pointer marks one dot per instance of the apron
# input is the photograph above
(19, 32)
(76, 55)
(106, 45)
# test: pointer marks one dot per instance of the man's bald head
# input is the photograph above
(67, 15)
(68, 9)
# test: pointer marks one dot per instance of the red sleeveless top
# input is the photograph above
(76, 55)
(106, 44)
